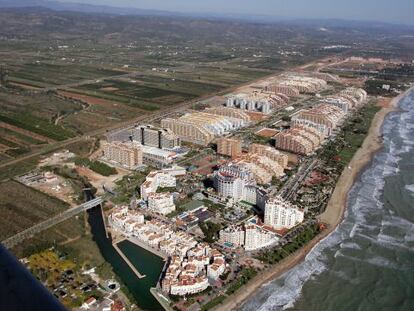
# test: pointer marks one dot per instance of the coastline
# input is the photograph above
(335, 209)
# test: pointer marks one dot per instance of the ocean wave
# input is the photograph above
(358, 229)
(410, 188)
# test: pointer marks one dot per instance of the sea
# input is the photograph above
(367, 263)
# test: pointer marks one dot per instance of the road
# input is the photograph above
(148, 118)
(296, 180)
(29, 232)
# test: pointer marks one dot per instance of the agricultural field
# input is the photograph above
(21, 207)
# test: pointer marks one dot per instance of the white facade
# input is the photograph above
(161, 203)
(281, 214)
(235, 182)
(154, 180)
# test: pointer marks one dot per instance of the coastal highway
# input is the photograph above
(29, 232)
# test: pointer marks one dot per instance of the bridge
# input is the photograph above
(48, 223)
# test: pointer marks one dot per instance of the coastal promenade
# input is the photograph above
(332, 216)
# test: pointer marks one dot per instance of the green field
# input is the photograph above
(21, 207)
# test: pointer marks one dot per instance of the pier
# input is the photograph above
(137, 273)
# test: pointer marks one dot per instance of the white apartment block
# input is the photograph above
(281, 214)
(161, 203)
(154, 180)
(251, 236)
(257, 238)
(235, 182)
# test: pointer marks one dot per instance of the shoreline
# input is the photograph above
(334, 212)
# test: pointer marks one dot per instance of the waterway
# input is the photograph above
(146, 263)
(367, 263)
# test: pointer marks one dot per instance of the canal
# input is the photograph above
(145, 262)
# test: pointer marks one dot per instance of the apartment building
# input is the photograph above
(162, 138)
(189, 131)
(229, 112)
(201, 127)
(270, 152)
(301, 140)
(250, 237)
(302, 83)
(229, 147)
(161, 203)
(277, 88)
(261, 167)
(128, 155)
(324, 117)
(235, 235)
(154, 180)
(281, 214)
(263, 102)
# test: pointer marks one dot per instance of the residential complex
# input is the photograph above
(192, 267)
(302, 83)
(128, 155)
(161, 203)
(282, 89)
(201, 127)
(347, 99)
(324, 117)
(154, 180)
(250, 236)
(301, 140)
(281, 214)
(151, 136)
(229, 112)
(257, 101)
(146, 135)
(271, 153)
(229, 146)
(262, 167)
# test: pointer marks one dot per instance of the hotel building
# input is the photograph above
(235, 182)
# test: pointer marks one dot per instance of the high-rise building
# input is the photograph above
(229, 146)
(258, 102)
(128, 155)
(281, 214)
(151, 136)
(235, 182)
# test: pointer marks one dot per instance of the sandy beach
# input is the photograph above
(334, 212)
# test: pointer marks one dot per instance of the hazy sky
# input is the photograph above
(398, 11)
